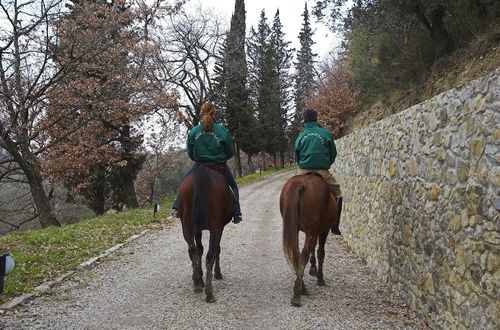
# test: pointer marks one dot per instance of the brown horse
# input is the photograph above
(307, 205)
(205, 203)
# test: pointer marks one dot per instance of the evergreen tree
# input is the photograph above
(282, 62)
(264, 84)
(240, 121)
(304, 73)
(219, 81)
(258, 46)
(269, 63)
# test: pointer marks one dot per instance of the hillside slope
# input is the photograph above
(479, 59)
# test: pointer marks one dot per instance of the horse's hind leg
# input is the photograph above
(313, 271)
(210, 261)
(195, 253)
(321, 258)
(217, 273)
(198, 277)
(299, 288)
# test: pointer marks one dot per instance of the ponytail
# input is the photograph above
(207, 113)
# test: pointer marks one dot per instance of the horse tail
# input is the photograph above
(291, 215)
(201, 182)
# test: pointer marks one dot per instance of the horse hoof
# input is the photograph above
(198, 289)
(321, 282)
(296, 302)
(313, 271)
(210, 299)
(218, 276)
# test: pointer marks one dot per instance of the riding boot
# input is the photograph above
(237, 210)
(335, 228)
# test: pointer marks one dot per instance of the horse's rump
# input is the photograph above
(306, 205)
(203, 196)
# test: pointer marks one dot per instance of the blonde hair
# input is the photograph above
(208, 112)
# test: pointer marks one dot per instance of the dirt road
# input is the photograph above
(147, 284)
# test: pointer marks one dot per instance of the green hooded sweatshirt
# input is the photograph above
(315, 147)
(210, 147)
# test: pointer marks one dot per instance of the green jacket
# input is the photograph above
(210, 147)
(315, 147)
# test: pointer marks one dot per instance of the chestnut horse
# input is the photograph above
(307, 205)
(205, 203)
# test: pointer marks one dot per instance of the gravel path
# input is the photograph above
(147, 284)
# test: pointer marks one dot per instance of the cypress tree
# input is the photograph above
(282, 62)
(238, 116)
(219, 81)
(264, 84)
(304, 73)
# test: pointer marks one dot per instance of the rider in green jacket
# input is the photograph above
(209, 142)
(315, 151)
(215, 146)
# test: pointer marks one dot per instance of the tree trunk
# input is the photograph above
(440, 37)
(30, 167)
(282, 157)
(251, 165)
(152, 191)
(437, 30)
(45, 215)
(237, 161)
(129, 172)
(28, 163)
(129, 192)
(97, 204)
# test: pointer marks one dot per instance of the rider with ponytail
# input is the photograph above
(210, 142)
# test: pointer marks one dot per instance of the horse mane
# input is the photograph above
(201, 183)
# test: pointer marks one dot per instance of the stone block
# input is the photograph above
(429, 284)
(477, 147)
(411, 166)
(462, 172)
(496, 136)
(434, 192)
(466, 108)
(493, 262)
(471, 126)
(479, 105)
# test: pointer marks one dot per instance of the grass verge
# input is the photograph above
(43, 254)
(257, 176)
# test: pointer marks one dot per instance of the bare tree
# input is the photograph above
(188, 54)
(30, 77)
(26, 75)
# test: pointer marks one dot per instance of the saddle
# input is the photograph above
(213, 166)
(218, 168)
(314, 173)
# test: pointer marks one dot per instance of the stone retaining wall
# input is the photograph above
(422, 203)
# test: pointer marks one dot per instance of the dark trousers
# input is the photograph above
(230, 180)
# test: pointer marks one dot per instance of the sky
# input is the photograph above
(290, 15)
